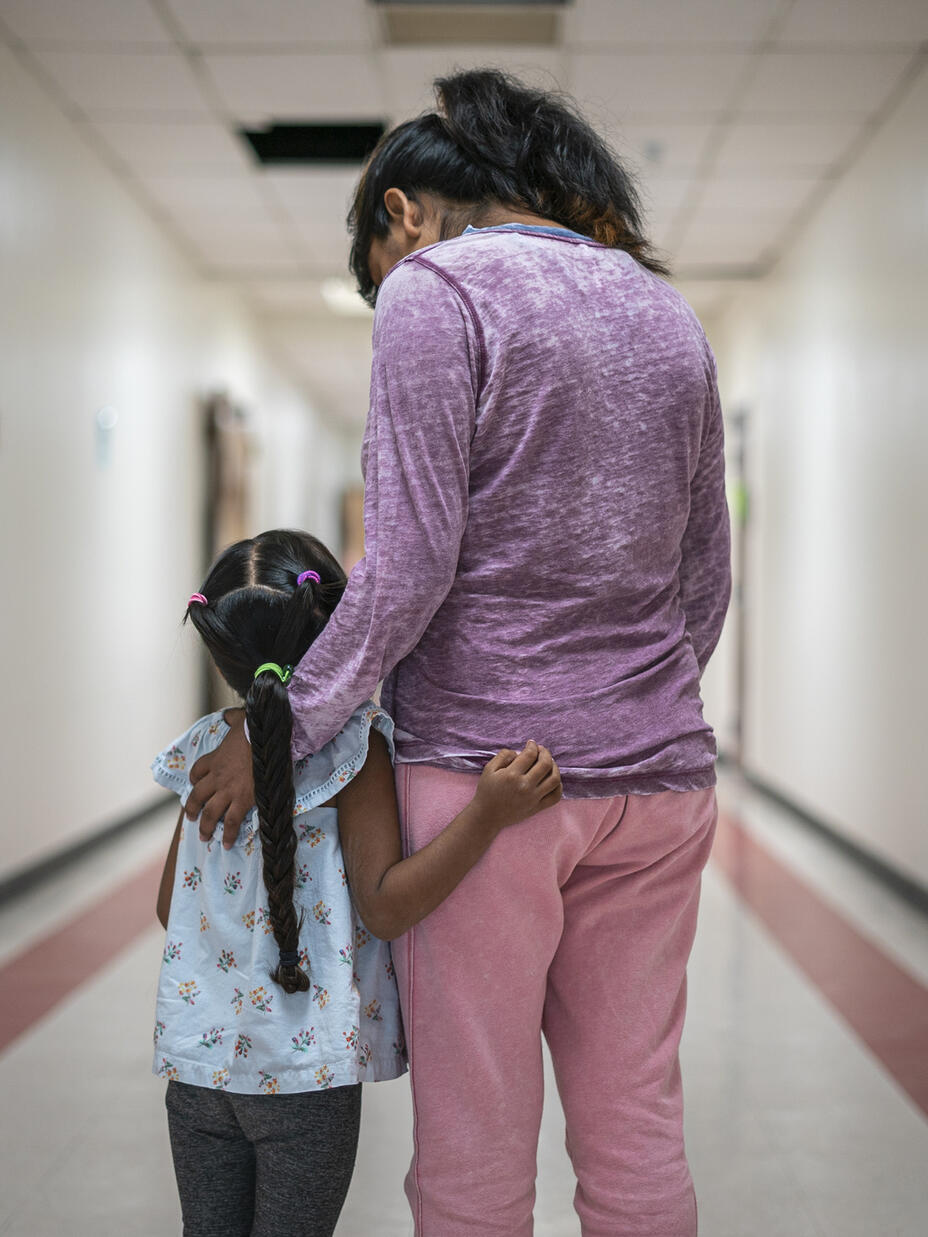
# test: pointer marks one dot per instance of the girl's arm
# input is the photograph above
(167, 876)
(392, 893)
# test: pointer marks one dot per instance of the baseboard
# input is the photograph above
(907, 888)
(35, 874)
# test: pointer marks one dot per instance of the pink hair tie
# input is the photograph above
(198, 597)
(308, 575)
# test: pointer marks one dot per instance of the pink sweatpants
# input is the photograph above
(577, 923)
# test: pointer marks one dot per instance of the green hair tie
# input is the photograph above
(284, 673)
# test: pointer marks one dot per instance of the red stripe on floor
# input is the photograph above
(885, 1005)
(40, 977)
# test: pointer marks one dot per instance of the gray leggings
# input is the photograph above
(262, 1165)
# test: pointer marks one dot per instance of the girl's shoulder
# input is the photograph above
(318, 777)
(171, 767)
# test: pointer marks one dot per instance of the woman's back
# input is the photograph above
(585, 606)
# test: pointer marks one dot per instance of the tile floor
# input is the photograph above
(794, 1127)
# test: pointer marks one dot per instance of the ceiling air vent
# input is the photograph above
(312, 144)
(527, 22)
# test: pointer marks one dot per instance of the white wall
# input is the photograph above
(830, 355)
(99, 550)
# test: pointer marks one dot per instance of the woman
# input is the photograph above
(547, 558)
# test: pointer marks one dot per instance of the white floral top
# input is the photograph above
(221, 1021)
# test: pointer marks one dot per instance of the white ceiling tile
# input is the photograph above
(317, 203)
(856, 21)
(719, 252)
(234, 246)
(409, 72)
(153, 146)
(754, 193)
(626, 85)
(130, 82)
(299, 86)
(274, 22)
(286, 296)
(826, 82)
(708, 296)
(663, 195)
(787, 146)
(84, 21)
(662, 147)
(322, 191)
(643, 21)
(230, 200)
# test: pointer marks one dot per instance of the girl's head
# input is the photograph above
(493, 142)
(263, 604)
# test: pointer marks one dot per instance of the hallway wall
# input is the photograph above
(829, 357)
(100, 530)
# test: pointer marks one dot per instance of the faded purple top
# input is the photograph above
(545, 519)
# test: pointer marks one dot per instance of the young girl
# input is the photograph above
(277, 995)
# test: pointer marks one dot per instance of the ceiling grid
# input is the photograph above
(737, 115)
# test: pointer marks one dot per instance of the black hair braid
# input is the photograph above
(270, 727)
(256, 612)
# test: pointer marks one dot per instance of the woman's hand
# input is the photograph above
(516, 785)
(223, 783)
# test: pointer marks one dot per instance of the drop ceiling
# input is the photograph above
(737, 114)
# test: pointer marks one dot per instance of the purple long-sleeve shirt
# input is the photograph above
(546, 528)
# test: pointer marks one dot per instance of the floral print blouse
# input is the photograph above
(220, 1020)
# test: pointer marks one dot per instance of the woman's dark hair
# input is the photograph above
(256, 613)
(496, 141)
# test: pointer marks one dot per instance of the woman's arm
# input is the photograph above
(167, 876)
(392, 893)
(416, 462)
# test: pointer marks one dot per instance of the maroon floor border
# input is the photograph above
(884, 1004)
(36, 980)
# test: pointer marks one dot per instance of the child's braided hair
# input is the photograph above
(257, 612)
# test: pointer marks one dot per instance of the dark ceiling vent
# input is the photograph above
(527, 22)
(314, 144)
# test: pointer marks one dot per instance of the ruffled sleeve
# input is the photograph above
(171, 768)
(317, 778)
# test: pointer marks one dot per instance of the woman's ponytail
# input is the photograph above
(495, 141)
(540, 153)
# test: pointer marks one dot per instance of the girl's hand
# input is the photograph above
(516, 785)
